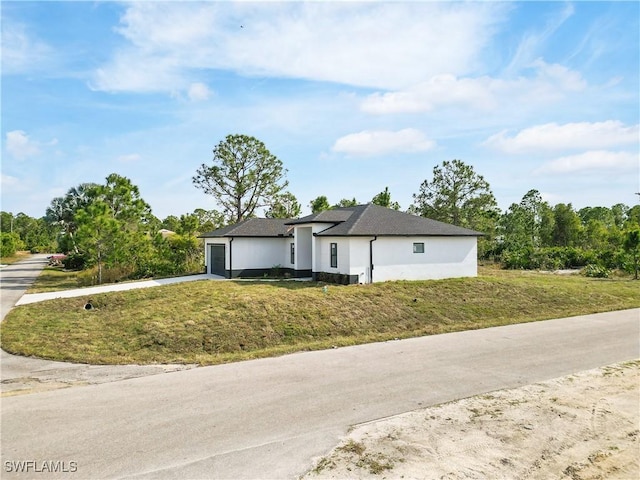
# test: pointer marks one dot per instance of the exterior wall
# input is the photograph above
(323, 255)
(393, 257)
(307, 254)
(443, 257)
(253, 253)
(359, 258)
(246, 254)
(304, 240)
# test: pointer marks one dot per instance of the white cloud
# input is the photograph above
(198, 92)
(570, 136)
(533, 41)
(20, 146)
(139, 73)
(20, 52)
(8, 182)
(383, 45)
(132, 157)
(592, 160)
(439, 90)
(381, 142)
(548, 84)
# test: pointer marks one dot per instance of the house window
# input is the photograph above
(334, 255)
(418, 247)
(293, 253)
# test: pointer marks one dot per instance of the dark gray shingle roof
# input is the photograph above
(370, 219)
(361, 220)
(254, 227)
(335, 215)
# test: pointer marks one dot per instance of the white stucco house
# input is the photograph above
(361, 244)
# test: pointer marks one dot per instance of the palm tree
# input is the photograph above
(63, 210)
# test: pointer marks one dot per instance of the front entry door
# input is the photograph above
(217, 263)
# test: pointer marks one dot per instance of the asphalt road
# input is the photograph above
(16, 279)
(268, 418)
(21, 375)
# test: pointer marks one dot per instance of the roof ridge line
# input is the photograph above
(362, 210)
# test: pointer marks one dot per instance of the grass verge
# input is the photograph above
(53, 279)
(209, 322)
(16, 257)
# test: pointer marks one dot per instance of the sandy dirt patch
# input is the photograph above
(579, 427)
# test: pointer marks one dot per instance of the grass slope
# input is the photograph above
(210, 322)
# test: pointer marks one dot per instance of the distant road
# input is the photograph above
(268, 418)
(16, 279)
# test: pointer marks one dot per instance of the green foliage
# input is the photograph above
(75, 261)
(244, 176)
(567, 226)
(34, 234)
(284, 206)
(174, 255)
(384, 200)
(345, 202)
(535, 236)
(548, 258)
(171, 223)
(189, 224)
(209, 220)
(319, 204)
(632, 219)
(10, 244)
(276, 271)
(632, 246)
(596, 271)
(458, 195)
(62, 211)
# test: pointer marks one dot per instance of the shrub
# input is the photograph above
(275, 271)
(596, 271)
(89, 277)
(43, 249)
(516, 259)
(548, 258)
(75, 261)
(10, 244)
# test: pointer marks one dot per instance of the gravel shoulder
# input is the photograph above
(579, 427)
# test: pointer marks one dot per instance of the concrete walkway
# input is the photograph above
(115, 287)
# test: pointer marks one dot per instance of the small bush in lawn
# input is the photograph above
(75, 261)
(596, 271)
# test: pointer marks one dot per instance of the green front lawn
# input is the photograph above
(211, 322)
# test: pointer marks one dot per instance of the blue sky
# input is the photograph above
(352, 97)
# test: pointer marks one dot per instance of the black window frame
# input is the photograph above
(293, 253)
(333, 254)
(420, 246)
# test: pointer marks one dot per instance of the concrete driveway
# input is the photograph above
(269, 418)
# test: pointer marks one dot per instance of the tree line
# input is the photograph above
(109, 231)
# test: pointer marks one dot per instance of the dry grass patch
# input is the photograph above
(210, 322)
(16, 257)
